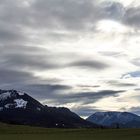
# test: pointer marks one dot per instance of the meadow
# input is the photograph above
(14, 132)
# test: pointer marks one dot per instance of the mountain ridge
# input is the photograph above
(19, 108)
(115, 119)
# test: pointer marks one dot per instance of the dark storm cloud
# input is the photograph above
(116, 11)
(89, 86)
(68, 14)
(80, 15)
(92, 95)
(26, 57)
(15, 73)
(86, 111)
(84, 97)
(111, 10)
(12, 15)
(90, 64)
(120, 84)
(13, 76)
(35, 58)
(46, 91)
(48, 13)
(63, 94)
(10, 35)
(51, 87)
(61, 14)
(44, 18)
(111, 53)
(32, 61)
(137, 89)
(129, 16)
(132, 17)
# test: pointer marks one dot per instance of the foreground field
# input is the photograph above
(9, 132)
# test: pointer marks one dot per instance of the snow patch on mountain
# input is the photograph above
(21, 93)
(9, 105)
(38, 108)
(20, 103)
(5, 96)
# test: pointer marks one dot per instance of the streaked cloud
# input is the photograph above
(72, 53)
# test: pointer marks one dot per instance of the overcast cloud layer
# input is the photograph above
(81, 54)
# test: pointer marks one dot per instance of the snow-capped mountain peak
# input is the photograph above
(12, 99)
(5, 94)
(20, 108)
(112, 118)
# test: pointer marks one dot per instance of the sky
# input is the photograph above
(80, 54)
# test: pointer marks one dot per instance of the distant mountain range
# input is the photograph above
(20, 108)
(115, 119)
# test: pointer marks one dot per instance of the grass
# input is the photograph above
(14, 132)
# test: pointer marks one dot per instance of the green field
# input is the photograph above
(12, 132)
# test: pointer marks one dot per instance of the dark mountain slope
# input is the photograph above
(19, 108)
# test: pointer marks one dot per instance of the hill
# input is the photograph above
(115, 119)
(20, 108)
